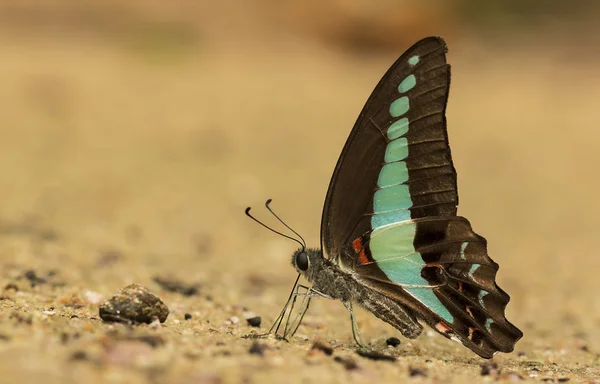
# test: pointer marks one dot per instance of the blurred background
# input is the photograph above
(142, 129)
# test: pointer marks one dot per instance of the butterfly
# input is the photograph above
(391, 240)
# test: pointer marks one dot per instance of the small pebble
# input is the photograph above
(152, 340)
(323, 347)
(416, 372)
(172, 284)
(11, 286)
(393, 342)
(187, 316)
(348, 363)
(33, 278)
(375, 355)
(489, 369)
(254, 321)
(79, 355)
(134, 304)
(233, 320)
(257, 349)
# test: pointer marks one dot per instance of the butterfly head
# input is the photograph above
(306, 260)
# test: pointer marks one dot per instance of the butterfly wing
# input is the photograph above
(412, 94)
(390, 212)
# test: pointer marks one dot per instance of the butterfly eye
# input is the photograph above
(302, 261)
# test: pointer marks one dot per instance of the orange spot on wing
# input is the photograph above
(442, 327)
(357, 244)
(358, 247)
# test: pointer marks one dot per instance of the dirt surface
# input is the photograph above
(118, 166)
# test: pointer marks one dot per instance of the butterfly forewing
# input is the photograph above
(416, 84)
(390, 212)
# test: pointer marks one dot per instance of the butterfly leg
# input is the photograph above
(355, 330)
(307, 296)
(279, 319)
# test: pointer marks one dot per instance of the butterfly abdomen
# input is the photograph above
(390, 311)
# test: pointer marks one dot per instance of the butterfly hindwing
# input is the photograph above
(445, 275)
(390, 213)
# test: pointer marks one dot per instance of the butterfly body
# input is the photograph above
(330, 281)
(391, 239)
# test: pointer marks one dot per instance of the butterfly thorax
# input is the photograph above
(328, 279)
(325, 277)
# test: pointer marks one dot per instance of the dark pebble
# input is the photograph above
(132, 305)
(416, 372)
(489, 369)
(4, 337)
(563, 379)
(323, 347)
(33, 278)
(11, 286)
(109, 257)
(79, 355)
(375, 355)
(257, 349)
(254, 321)
(393, 341)
(174, 285)
(187, 316)
(348, 363)
(152, 340)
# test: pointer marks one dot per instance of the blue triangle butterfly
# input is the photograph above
(391, 240)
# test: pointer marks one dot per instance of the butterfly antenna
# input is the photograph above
(272, 230)
(283, 222)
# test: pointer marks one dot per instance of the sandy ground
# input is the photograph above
(118, 165)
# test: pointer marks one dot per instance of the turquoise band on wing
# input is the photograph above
(392, 239)
(392, 247)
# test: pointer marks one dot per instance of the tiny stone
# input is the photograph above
(563, 379)
(79, 355)
(172, 284)
(187, 316)
(348, 363)
(375, 355)
(489, 369)
(257, 349)
(393, 342)
(152, 340)
(254, 321)
(234, 320)
(33, 278)
(11, 286)
(134, 304)
(416, 372)
(323, 347)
